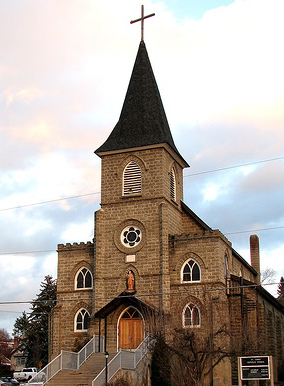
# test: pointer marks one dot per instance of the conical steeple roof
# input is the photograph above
(142, 121)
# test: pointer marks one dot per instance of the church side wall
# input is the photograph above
(257, 328)
(209, 294)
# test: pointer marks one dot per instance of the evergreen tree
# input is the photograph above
(21, 325)
(33, 330)
(280, 291)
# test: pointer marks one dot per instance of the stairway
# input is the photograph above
(84, 375)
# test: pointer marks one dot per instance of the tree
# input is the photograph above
(21, 325)
(189, 358)
(268, 275)
(161, 370)
(5, 349)
(280, 291)
(33, 330)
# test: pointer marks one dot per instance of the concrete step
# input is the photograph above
(84, 375)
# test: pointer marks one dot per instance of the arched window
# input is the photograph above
(191, 271)
(84, 279)
(82, 320)
(173, 184)
(191, 316)
(131, 313)
(132, 179)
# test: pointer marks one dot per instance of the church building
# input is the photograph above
(153, 263)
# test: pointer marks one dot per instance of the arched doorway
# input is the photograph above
(130, 329)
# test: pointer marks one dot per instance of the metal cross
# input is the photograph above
(142, 18)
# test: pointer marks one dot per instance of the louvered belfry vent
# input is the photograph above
(173, 184)
(132, 179)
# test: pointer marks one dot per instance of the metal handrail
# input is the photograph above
(67, 360)
(124, 359)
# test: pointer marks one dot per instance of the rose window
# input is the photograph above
(131, 236)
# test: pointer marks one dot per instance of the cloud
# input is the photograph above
(227, 62)
(25, 95)
(64, 73)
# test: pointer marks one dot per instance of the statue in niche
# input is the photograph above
(130, 281)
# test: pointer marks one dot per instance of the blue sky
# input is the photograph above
(193, 9)
(64, 71)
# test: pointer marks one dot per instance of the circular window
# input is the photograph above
(131, 236)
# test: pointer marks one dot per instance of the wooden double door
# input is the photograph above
(130, 330)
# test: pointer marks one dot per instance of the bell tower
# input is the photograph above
(141, 193)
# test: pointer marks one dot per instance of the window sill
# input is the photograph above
(81, 331)
(84, 289)
(132, 195)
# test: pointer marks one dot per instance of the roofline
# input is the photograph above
(270, 298)
(123, 298)
(244, 262)
(259, 288)
(165, 145)
(188, 211)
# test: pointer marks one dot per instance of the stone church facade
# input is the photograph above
(153, 261)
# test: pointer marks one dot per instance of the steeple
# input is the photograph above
(142, 122)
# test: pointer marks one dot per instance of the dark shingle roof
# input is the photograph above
(142, 121)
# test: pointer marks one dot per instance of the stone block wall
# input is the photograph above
(155, 166)
(71, 258)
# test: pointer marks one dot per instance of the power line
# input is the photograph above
(93, 193)
(88, 246)
(48, 301)
(254, 230)
(27, 252)
(234, 167)
(11, 312)
(49, 201)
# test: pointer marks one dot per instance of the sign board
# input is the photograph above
(256, 368)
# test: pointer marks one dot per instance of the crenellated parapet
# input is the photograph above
(69, 246)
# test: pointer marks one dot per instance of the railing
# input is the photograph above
(124, 359)
(68, 360)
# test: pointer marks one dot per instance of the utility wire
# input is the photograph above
(27, 252)
(49, 201)
(93, 193)
(66, 249)
(234, 167)
(254, 230)
(253, 285)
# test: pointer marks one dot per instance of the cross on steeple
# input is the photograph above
(142, 18)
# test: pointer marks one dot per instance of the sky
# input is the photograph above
(64, 71)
